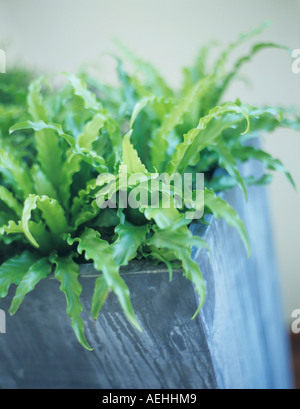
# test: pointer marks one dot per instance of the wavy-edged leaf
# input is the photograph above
(193, 273)
(18, 169)
(165, 218)
(221, 209)
(261, 118)
(49, 151)
(13, 270)
(198, 70)
(38, 230)
(80, 89)
(130, 237)
(36, 272)
(52, 213)
(12, 228)
(91, 132)
(35, 102)
(8, 198)
(160, 107)
(130, 157)
(176, 240)
(83, 196)
(71, 166)
(42, 185)
(227, 161)
(90, 157)
(245, 153)
(87, 212)
(152, 77)
(139, 106)
(208, 132)
(101, 253)
(227, 182)
(181, 241)
(219, 65)
(66, 273)
(241, 61)
(159, 142)
(41, 125)
(46, 241)
(101, 293)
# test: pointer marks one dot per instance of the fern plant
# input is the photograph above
(50, 162)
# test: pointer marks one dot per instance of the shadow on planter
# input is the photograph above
(237, 341)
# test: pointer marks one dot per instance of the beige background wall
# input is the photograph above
(59, 35)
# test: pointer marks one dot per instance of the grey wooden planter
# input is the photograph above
(237, 341)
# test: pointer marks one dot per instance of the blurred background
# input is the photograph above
(53, 36)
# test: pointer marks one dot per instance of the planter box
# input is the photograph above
(237, 341)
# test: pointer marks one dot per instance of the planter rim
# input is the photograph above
(87, 270)
(142, 266)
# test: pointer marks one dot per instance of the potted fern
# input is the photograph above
(55, 167)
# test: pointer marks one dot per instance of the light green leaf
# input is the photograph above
(91, 132)
(139, 107)
(100, 252)
(227, 182)
(176, 240)
(42, 185)
(66, 273)
(8, 198)
(100, 295)
(49, 151)
(12, 228)
(193, 273)
(130, 237)
(152, 77)
(88, 211)
(71, 166)
(80, 89)
(227, 161)
(52, 213)
(13, 270)
(90, 157)
(208, 132)
(46, 241)
(130, 157)
(38, 126)
(245, 153)
(219, 65)
(221, 209)
(19, 170)
(174, 118)
(180, 241)
(241, 61)
(165, 217)
(83, 196)
(36, 106)
(39, 270)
